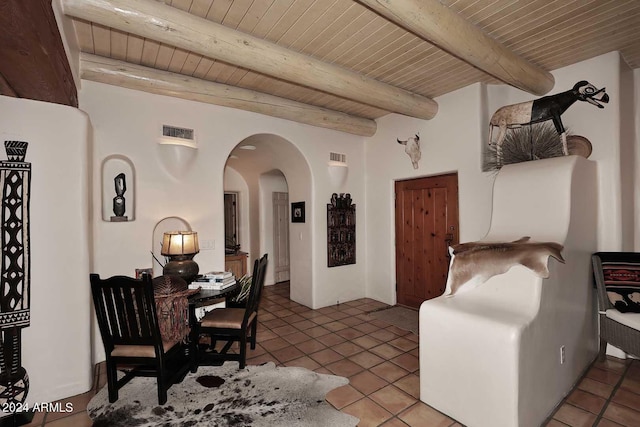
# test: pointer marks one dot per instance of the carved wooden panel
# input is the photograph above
(341, 230)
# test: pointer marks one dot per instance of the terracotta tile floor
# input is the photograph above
(381, 362)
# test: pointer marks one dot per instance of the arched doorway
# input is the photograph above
(259, 169)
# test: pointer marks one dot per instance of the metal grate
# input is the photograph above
(176, 132)
(338, 157)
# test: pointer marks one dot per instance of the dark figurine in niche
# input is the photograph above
(118, 201)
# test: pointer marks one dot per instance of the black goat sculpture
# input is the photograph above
(540, 110)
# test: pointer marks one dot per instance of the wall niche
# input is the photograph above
(341, 230)
(118, 189)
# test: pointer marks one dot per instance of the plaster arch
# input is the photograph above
(273, 152)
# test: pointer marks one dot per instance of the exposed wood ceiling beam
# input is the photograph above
(441, 26)
(166, 24)
(120, 73)
(33, 63)
(5, 88)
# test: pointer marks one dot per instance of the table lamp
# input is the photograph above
(180, 247)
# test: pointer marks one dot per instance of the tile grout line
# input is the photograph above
(277, 306)
(600, 416)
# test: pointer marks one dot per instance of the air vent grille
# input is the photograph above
(338, 157)
(176, 132)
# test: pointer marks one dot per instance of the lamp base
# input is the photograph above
(183, 267)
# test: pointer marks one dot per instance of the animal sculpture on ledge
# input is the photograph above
(474, 263)
(540, 110)
(412, 148)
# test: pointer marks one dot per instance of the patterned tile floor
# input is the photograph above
(381, 362)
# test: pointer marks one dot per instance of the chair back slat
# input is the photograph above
(131, 313)
(106, 299)
(145, 326)
(263, 275)
(121, 327)
(125, 311)
(257, 282)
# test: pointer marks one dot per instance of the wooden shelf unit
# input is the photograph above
(236, 263)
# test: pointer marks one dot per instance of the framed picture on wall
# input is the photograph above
(297, 212)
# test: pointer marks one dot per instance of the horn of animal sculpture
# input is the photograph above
(474, 263)
(543, 109)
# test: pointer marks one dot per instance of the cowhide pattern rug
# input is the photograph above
(476, 262)
(263, 395)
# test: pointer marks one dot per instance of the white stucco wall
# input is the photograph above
(450, 143)
(602, 127)
(454, 139)
(127, 123)
(55, 347)
(636, 171)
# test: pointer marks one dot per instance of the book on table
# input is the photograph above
(220, 275)
(213, 285)
(225, 280)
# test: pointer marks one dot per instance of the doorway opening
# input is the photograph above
(273, 165)
(231, 232)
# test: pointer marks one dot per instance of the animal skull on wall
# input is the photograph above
(412, 148)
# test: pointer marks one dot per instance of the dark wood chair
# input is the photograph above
(126, 314)
(617, 277)
(234, 324)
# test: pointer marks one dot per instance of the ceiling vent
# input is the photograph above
(178, 136)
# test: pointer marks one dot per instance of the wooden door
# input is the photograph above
(426, 224)
(281, 236)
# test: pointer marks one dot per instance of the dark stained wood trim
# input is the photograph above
(33, 63)
(5, 87)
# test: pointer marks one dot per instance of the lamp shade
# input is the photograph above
(180, 243)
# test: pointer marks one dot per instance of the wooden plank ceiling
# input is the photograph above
(549, 34)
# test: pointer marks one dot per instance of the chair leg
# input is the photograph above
(254, 329)
(162, 383)
(243, 350)
(602, 354)
(112, 382)
(193, 356)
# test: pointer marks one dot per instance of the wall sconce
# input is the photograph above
(180, 247)
(338, 172)
(177, 149)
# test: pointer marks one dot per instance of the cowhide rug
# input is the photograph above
(263, 395)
